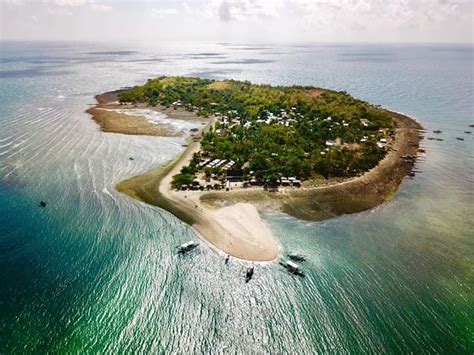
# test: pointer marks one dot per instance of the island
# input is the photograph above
(309, 152)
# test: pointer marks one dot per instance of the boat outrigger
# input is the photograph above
(184, 248)
(291, 267)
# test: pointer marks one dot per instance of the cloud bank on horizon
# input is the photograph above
(240, 20)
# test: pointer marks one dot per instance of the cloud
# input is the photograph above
(164, 12)
(59, 11)
(388, 16)
(101, 7)
(61, 7)
(187, 9)
(247, 20)
(241, 10)
(14, 2)
(73, 3)
(79, 3)
(224, 11)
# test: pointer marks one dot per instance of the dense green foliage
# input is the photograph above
(276, 131)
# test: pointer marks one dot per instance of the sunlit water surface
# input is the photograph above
(97, 271)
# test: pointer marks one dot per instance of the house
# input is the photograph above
(234, 175)
(254, 182)
(296, 183)
(285, 182)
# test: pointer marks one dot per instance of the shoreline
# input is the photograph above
(229, 221)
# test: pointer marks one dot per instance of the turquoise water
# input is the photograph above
(96, 271)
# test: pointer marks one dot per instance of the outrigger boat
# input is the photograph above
(184, 248)
(249, 274)
(291, 267)
(296, 257)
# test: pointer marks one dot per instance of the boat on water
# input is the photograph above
(249, 274)
(186, 247)
(459, 138)
(437, 131)
(42, 204)
(296, 257)
(291, 267)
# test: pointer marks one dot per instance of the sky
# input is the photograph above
(378, 21)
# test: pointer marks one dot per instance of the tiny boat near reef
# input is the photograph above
(471, 125)
(42, 204)
(249, 274)
(227, 259)
(411, 174)
(184, 248)
(437, 131)
(291, 267)
(439, 139)
(296, 257)
(468, 132)
(459, 138)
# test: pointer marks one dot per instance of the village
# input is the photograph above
(270, 136)
(217, 173)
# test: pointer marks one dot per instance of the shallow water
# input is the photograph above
(97, 271)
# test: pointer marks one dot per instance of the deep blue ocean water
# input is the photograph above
(97, 272)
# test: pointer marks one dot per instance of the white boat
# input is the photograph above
(184, 248)
(291, 267)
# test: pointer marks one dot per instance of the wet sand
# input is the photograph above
(117, 122)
